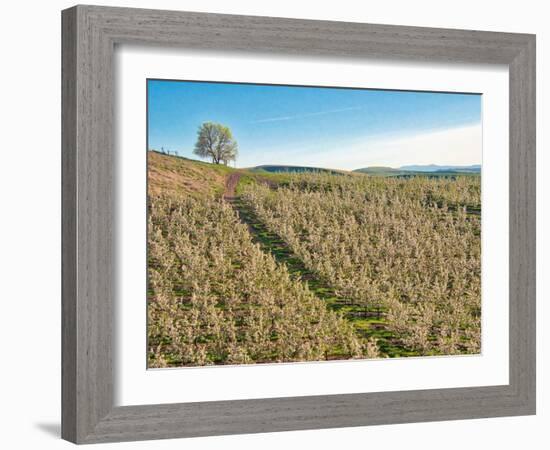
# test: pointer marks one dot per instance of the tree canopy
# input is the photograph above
(216, 141)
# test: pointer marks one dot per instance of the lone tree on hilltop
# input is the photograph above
(216, 141)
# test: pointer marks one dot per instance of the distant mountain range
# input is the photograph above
(379, 170)
(428, 170)
(437, 168)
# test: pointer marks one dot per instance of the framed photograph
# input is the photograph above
(277, 224)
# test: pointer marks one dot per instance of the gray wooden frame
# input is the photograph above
(89, 36)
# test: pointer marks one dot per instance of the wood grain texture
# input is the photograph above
(89, 199)
(523, 224)
(68, 226)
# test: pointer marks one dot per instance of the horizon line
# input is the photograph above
(458, 166)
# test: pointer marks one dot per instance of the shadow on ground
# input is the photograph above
(53, 429)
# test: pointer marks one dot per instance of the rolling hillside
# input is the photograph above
(177, 175)
(292, 169)
(168, 174)
(182, 175)
(379, 170)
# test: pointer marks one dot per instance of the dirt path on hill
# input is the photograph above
(230, 186)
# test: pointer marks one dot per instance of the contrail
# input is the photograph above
(301, 116)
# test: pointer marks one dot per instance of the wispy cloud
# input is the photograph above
(301, 116)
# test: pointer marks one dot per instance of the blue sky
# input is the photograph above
(322, 127)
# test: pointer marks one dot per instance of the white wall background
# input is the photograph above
(30, 236)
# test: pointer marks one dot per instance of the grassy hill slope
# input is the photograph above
(378, 170)
(168, 174)
(292, 169)
(177, 175)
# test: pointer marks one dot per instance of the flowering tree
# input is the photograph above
(216, 141)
